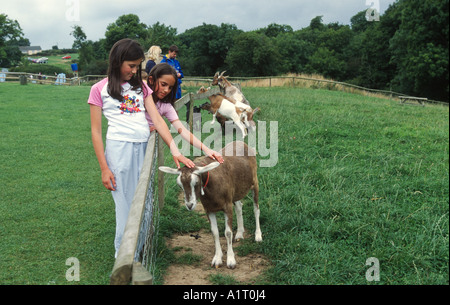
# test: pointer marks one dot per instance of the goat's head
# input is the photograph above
(205, 106)
(189, 179)
(247, 118)
(203, 90)
(219, 79)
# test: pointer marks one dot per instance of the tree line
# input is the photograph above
(405, 51)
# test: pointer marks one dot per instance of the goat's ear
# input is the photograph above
(256, 110)
(207, 168)
(168, 170)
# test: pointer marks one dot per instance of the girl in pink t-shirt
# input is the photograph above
(123, 99)
(163, 81)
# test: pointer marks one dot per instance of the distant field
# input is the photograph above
(63, 63)
(58, 61)
(357, 177)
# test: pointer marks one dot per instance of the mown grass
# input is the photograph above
(52, 206)
(357, 177)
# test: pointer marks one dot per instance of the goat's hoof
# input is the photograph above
(231, 263)
(216, 263)
(258, 238)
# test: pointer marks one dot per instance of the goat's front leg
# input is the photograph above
(241, 127)
(217, 260)
(231, 261)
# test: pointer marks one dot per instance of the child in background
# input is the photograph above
(163, 81)
(125, 100)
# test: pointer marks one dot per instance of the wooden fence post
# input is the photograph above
(161, 193)
(191, 112)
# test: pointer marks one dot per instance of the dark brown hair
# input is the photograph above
(124, 50)
(158, 71)
(173, 48)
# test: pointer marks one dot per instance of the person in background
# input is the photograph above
(153, 58)
(171, 59)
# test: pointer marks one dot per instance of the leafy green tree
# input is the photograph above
(368, 56)
(253, 54)
(80, 37)
(126, 26)
(273, 30)
(92, 55)
(324, 61)
(206, 48)
(11, 37)
(420, 48)
(317, 23)
(160, 35)
(294, 53)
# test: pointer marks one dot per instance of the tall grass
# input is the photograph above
(357, 177)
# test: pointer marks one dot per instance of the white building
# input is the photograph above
(30, 50)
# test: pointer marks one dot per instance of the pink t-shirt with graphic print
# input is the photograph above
(126, 118)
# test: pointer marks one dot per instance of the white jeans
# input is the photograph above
(125, 160)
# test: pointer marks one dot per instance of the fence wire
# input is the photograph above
(147, 244)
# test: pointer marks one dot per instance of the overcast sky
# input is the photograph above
(49, 22)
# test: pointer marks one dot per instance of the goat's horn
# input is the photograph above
(223, 73)
(256, 110)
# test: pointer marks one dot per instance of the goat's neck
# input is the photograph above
(225, 83)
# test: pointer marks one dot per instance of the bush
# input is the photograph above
(39, 68)
(96, 67)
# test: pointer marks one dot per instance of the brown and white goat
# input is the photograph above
(228, 88)
(239, 113)
(219, 186)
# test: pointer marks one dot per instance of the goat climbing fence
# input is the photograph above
(137, 256)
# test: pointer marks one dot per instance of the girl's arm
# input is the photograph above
(108, 178)
(189, 137)
(164, 132)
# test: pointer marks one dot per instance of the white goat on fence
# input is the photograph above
(228, 88)
(219, 187)
(241, 114)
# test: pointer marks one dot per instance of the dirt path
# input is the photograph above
(247, 270)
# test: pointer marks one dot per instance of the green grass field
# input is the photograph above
(63, 63)
(357, 177)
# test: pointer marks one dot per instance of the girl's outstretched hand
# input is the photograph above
(184, 160)
(215, 156)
